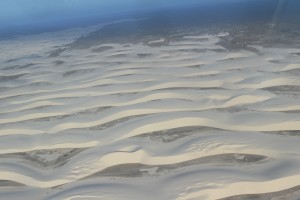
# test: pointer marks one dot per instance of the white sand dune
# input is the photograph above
(187, 120)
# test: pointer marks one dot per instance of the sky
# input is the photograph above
(18, 15)
(24, 11)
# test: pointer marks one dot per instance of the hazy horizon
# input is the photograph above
(17, 17)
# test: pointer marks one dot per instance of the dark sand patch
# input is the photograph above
(140, 170)
(289, 194)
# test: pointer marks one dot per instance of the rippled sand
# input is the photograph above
(188, 119)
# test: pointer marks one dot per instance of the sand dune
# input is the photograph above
(189, 120)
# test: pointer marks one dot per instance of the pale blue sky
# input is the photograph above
(49, 12)
(24, 10)
(15, 15)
